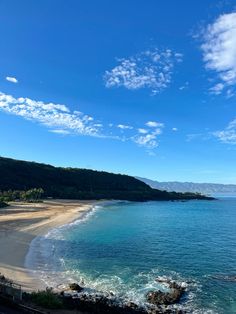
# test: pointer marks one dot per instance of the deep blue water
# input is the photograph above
(123, 247)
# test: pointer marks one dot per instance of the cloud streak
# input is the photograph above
(228, 135)
(154, 124)
(58, 118)
(151, 69)
(11, 79)
(219, 53)
(124, 127)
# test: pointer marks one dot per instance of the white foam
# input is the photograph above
(42, 261)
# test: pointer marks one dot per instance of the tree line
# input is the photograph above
(31, 195)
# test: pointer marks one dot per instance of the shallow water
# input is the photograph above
(122, 247)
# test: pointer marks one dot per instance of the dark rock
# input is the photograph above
(132, 305)
(98, 303)
(165, 298)
(163, 280)
(163, 310)
(75, 287)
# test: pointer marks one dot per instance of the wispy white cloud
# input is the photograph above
(174, 129)
(150, 69)
(124, 127)
(142, 131)
(228, 135)
(219, 52)
(11, 79)
(59, 131)
(217, 89)
(55, 116)
(59, 119)
(204, 136)
(145, 136)
(154, 124)
(184, 86)
(149, 138)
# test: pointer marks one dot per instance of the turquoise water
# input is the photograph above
(123, 247)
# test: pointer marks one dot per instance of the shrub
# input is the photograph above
(47, 298)
(3, 204)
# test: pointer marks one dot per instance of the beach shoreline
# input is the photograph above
(21, 222)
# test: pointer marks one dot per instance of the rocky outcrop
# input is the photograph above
(107, 304)
(75, 287)
(100, 303)
(87, 300)
(173, 296)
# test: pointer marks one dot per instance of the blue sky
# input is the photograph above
(144, 88)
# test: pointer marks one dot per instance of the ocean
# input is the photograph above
(122, 247)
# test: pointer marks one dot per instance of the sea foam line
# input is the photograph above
(43, 264)
(40, 260)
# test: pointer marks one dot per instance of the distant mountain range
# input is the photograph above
(204, 188)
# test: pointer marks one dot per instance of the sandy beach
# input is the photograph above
(21, 222)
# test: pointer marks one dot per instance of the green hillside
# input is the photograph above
(73, 183)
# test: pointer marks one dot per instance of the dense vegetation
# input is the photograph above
(47, 299)
(2, 204)
(32, 195)
(73, 183)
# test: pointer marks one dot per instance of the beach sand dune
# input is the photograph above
(21, 222)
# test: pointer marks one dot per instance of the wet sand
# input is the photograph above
(21, 222)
